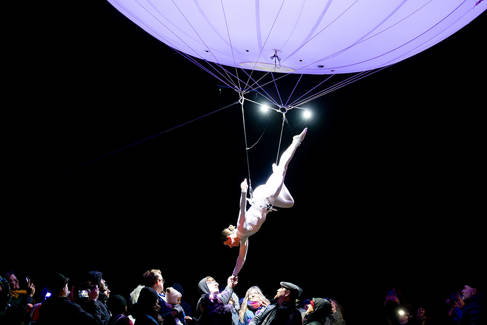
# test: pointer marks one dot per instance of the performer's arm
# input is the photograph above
(242, 255)
(243, 204)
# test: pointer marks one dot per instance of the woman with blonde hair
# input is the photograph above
(253, 303)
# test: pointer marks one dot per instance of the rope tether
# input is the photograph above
(241, 101)
(280, 137)
(283, 111)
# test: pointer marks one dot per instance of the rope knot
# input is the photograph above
(241, 99)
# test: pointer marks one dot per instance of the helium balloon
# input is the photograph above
(301, 36)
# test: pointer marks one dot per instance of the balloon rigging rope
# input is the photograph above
(199, 36)
(267, 96)
(241, 101)
(143, 140)
(247, 148)
(258, 86)
(339, 85)
(267, 38)
(280, 137)
(228, 79)
(319, 84)
(292, 92)
(201, 66)
(277, 89)
(231, 45)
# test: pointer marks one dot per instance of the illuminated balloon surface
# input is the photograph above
(301, 36)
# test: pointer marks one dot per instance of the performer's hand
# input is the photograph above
(244, 186)
(232, 281)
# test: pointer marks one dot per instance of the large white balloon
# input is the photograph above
(301, 36)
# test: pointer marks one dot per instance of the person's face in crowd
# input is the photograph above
(420, 313)
(104, 288)
(13, 282)
(159, 285)
(281, 292)
(254, 295)
(212, 285)
(65, 291)
(311, 307)
(403, 316)
(468, 291)
(333, 306)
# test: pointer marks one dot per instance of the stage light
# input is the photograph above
(307, 114)
(264, 108)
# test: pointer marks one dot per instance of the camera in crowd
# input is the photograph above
(83, 294)
(84, 291)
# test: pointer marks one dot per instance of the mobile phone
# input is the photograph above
(83, 294)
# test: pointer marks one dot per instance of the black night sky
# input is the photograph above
(389, 184)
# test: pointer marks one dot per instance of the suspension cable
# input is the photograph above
(280, 137)
(241, 101)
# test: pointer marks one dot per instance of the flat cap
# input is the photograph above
(296, 290)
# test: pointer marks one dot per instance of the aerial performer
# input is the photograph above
(265, 197)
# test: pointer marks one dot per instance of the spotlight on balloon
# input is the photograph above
(264, 108)
(307, 114)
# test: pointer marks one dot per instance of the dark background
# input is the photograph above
(389, 184)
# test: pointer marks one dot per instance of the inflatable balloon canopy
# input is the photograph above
(303, 37)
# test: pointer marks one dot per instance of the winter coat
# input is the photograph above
(62, 311)
(216, 311)
(275, 314)
(97, 309)
(473, 311)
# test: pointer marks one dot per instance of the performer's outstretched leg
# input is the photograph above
(275, 183)
(289, 152)
(284, 199)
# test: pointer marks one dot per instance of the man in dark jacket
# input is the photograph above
(473, 310)
(59, 309)
(213, 307)
(283, 311)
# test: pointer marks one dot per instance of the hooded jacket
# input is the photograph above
(322, 310)
(213, 310)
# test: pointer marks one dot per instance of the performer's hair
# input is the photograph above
(227, 232)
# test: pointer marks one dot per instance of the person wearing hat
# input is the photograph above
(283, 311)
(272, 194)
(59, 309)
(173, 302)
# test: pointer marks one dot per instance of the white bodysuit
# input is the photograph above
(272, 193)
(249, 222)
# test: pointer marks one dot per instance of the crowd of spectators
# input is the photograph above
(87, 299)
(462, 306)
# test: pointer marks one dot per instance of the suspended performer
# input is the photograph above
(272, 194)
